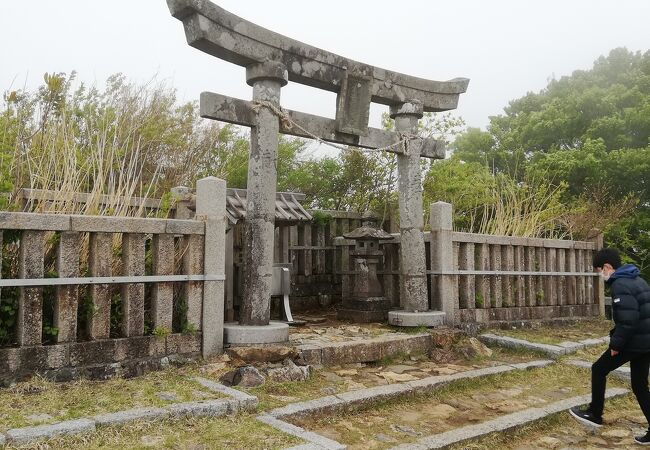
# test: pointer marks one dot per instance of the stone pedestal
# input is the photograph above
(413, 277)
(273, 333)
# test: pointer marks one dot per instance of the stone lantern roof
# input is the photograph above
(366, 233)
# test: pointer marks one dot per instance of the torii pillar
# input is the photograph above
(414, 299)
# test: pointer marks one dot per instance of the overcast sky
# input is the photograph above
(505, 47)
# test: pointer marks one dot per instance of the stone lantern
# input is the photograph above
(366, 302)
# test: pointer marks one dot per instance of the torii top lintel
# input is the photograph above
(220, 33)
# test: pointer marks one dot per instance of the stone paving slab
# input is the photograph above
(502, 423)
(621, 372)
(27, 434)
(130, 415)
(317, 405)
(294, 430)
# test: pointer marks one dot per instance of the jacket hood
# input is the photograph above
(625, 271)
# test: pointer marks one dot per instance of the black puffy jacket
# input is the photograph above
(630, 310)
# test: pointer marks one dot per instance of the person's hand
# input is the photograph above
(614, 352)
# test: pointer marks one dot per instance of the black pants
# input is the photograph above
(639, 363)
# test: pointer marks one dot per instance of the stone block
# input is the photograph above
(310, 354)
(93, 352)
(416, 319)
(262, 353)
(29, 434)
(364, 397)
(174, 226)
(213, 408)
(394, 345)
(180, 344)
(130, 415)
(318, 405)
(34, 221)
(104, 224)
(351, 352)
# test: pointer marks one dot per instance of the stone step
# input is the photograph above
(368, 350)
(503, 423)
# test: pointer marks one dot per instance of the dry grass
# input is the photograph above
(64, 401)
(241, 432)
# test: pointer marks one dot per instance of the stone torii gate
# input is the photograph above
(271, 60)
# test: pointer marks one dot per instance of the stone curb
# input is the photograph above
(502, 423)
(315, 441)
(27, 434)
(554, 351)
(217, 407)
(354, 399)
(129, 415)
(246, 401)
(621, 372)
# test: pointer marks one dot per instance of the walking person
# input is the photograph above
(629, 339)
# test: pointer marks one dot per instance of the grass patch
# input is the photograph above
(556, 333)
(409, 330)
(231, 432)
(83, 398)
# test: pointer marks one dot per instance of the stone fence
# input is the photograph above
(121, 295)
(478, 278)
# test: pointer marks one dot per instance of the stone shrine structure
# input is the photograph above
(271, 61)
(367, 302)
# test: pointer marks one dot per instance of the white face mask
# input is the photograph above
(605, 276)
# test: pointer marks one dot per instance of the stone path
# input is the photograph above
(333, 404)
(503, 423)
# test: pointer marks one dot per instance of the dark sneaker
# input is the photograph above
(586, 416)
(643, 440)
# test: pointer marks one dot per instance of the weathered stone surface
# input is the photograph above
(505, 341)
(290, 372)
(67, 297)
(130, 415)
(187, 343)
(133, 293)
(247, 376)
(472, 348)
(100, 255)
(105, 224)
(266, 353)
(310, 354)
(213, 408)
(30, 304)
(349, 352)
(162, 294)
(327, 403)
(28, 434)
(193, 255)
(272, 333)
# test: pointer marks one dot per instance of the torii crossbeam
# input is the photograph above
(271, 60)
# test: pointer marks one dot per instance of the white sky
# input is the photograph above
(506, 47)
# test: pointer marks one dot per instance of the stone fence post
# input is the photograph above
(442, 261)
(211, 208)
(596, 236)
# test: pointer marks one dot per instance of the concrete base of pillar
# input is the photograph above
(273, 333)
(416, 319)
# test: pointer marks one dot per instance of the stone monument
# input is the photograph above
(271, 61)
